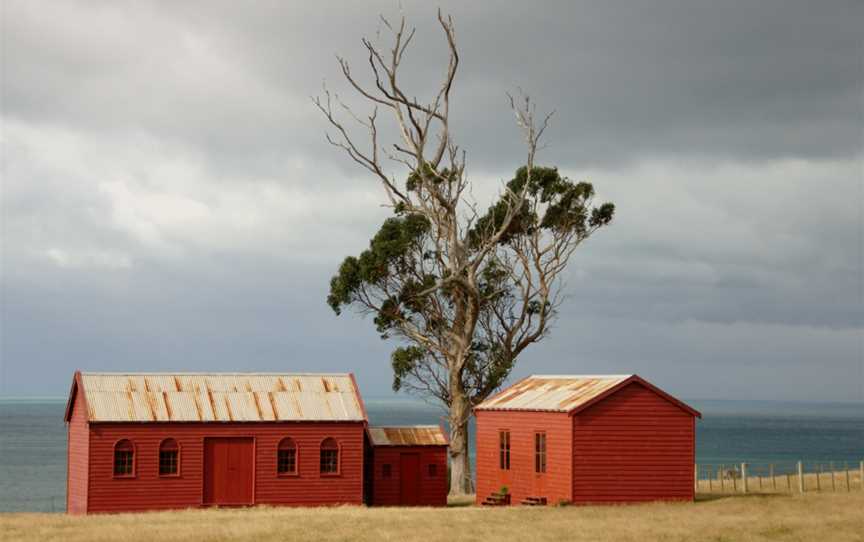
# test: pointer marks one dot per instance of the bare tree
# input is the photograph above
(463, 291)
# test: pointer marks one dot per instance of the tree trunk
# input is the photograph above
(461, 482)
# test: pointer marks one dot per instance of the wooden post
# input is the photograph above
(744, 477)
(818, 481)
(773, 479)
(833, 478)
(696, 477)
(789, 482)
(760, 481)
(734, 480)
(801, 477)
(846, 468)
(722, 474)
(861, 474)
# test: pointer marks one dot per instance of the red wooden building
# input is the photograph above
(158, 441)
(584, 439)
(408, 466)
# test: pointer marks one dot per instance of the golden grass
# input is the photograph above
(824, 516)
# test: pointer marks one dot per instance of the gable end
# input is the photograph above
(647, 385)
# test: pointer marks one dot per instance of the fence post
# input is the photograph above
(846, 468)
(744, 477)
(789, 483)
(773, 479)
(710, 479)
(818, 478)
(861, 474)
(833, 478)
(722, 475)
(696, 477)
(801, 477)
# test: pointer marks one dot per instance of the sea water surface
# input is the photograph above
(33, 439)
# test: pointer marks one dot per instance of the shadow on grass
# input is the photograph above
(458, 502)
(722, 496)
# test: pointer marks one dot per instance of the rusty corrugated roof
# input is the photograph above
(555, 393)
(220, 397)
(408, 435)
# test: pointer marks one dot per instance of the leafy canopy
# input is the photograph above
(402, 279)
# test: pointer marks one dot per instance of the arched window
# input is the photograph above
(286, 457)
(169, 458)
(329, 456)
(124, 458)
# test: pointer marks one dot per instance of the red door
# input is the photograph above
(538, 486)
(228, 471)
(409, 479)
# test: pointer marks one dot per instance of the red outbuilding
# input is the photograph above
(584, 439)
(159, 441)
(408, 466)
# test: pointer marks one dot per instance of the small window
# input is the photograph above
(329, 457)
(504, 450)
(124, 458)
(386, 470)
(433, 470)
(286, 457)
(169, 458)
(539, 452)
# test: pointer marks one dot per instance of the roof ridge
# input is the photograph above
(411, 426)
(192, 373)
(597, 376)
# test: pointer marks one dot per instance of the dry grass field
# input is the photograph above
(821, 517)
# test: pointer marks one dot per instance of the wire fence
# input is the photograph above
(788, 477)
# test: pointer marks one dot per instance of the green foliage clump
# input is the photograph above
(404, 360)
(390, 251)
(567, 207)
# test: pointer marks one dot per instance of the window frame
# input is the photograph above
(504, 449)
(133, 468)
(288, 474)
(432, 470)
(540, 452)
(338, 450)
(386, 471)
(176, 473)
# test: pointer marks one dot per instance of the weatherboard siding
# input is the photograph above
(387, 491)
(77, 458)
(149, 491)
(521, 480)
(634, 445)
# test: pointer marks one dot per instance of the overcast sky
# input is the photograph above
(169, 202)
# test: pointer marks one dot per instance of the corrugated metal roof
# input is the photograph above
(220, 397)
(555, 393)
(411, 435)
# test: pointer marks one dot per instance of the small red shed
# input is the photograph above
(151, 441)
(408, 466)
(584, 439)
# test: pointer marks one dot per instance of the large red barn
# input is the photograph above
(157, 441)
(584, 439)
(408, 466)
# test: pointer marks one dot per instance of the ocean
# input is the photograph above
(33, 439)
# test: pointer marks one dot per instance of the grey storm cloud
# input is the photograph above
(169, 201)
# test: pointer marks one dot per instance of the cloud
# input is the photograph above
(169, 201)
